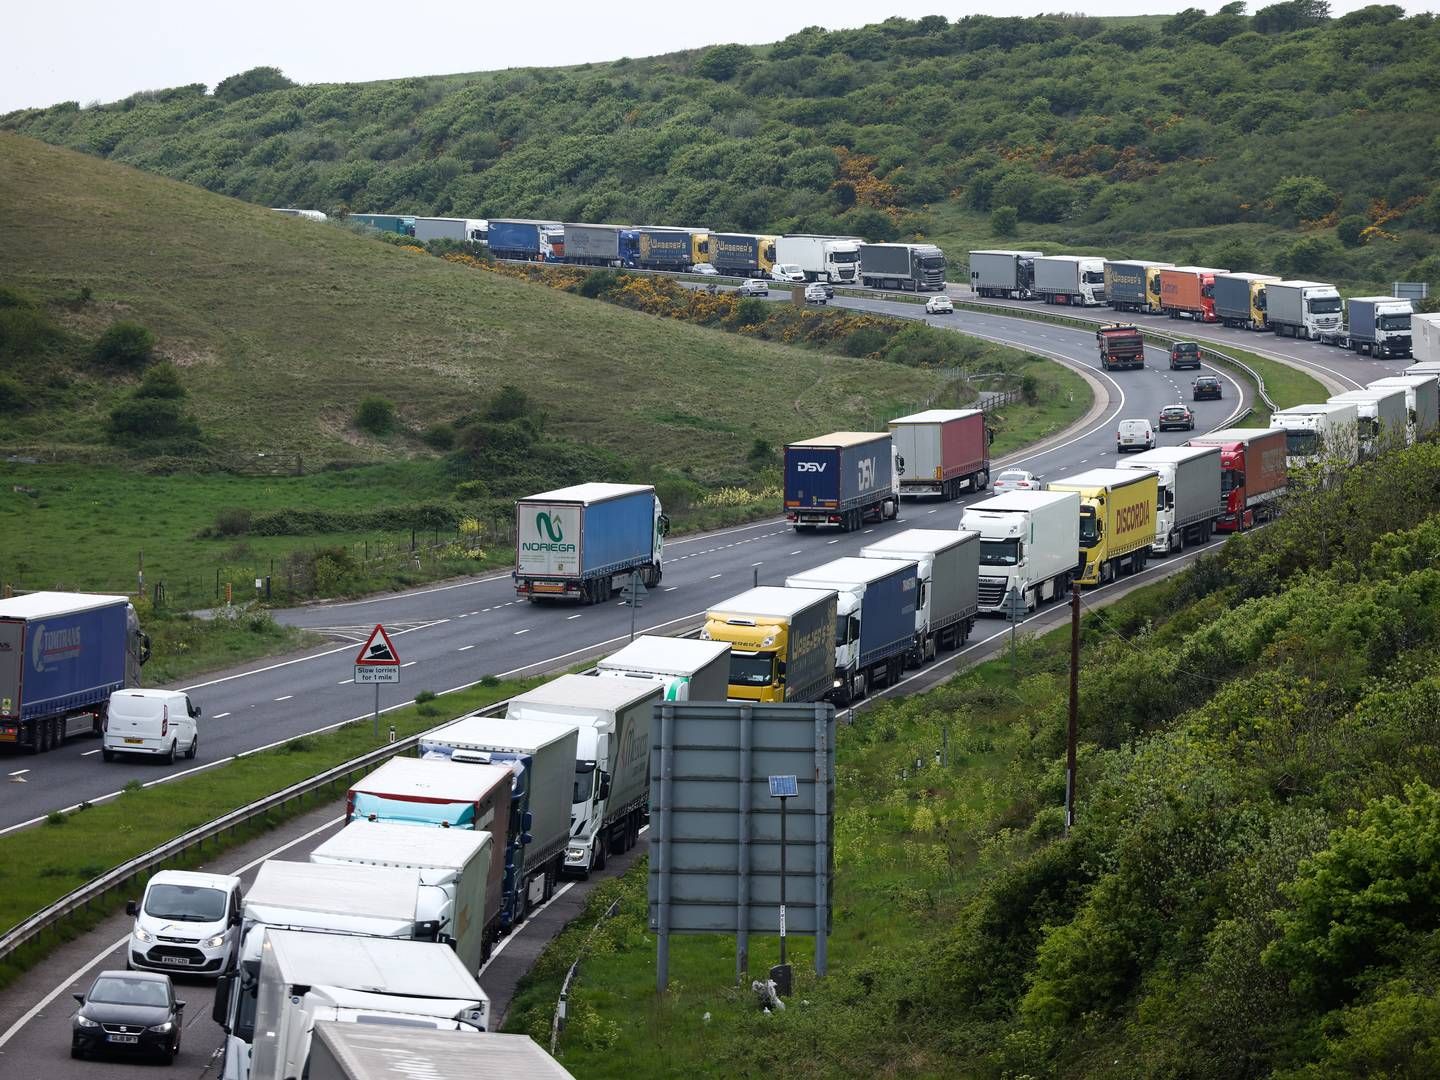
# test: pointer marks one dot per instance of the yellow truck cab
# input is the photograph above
(1117, 521)
(782, 643)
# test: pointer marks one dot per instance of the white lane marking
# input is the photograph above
(932, 511)
(284, 697)
(344, 682)
(87, 753)
(519, 632)
(714, 576)
(222, 715)
(760, 563)
(410, 663)
(671, 588)
(100, 957)
(835, 541)
(19, 772)
(794, 553)
(465, 648)
(571, 618)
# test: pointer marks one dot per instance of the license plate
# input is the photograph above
(122, 1038)
(179, 961)
(135, 742)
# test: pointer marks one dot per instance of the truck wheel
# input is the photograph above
(598, 864)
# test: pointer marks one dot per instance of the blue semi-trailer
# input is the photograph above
(61, 657)
(584, 542)
(527, 240)
(843, 479)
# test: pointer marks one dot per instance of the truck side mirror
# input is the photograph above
(220, 1011)
(79, 998)
(527, 822)
(132, 907)
(144, 653)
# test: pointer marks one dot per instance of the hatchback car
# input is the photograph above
(1184, 354)
(1206, 386)
(1134, 435)
(705, 269)
(940, 305)
(155, 723)
(1016, 480)
(754, 287)
(815, 293)
(128, 1012)
(1178, 417)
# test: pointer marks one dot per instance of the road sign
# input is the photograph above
(1015, 606)
(378, 650)
(366, 676)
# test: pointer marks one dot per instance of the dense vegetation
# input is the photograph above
(1285, 140)
(1250, 888)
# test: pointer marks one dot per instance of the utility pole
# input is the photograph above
(1074, 706)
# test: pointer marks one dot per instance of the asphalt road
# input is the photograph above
(452, 634)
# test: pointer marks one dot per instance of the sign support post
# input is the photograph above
(782, 788)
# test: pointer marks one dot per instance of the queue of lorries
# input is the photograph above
(1378, 325)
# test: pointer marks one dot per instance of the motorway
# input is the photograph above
(451, 635)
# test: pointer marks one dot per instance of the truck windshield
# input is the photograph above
(584, 781)
(841, 258)
(999, 552)
(933, 262)
(1094, 277)
(1393, 322)
(1231, 479)
(1089, 533)
(1302, 443)
(753, 669)
(1325, 305)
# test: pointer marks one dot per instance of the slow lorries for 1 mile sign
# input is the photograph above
(377, 662)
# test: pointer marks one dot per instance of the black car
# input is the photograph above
(1176, 416)
(1184, 354)
(1206, 386)
(133, 1013)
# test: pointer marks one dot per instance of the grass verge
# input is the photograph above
(183, 645)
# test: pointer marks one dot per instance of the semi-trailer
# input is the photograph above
(908, 267)
(1121, 346)
(685, 669)
(782, 643)
(1134, 285)
(541, 756)
(835, 259)
(400, 224)
(526, 239)
(455, 905)
(308, 978)
(1117, 521)
(1425, 338)
(1188, 496)
(584, 542)
(1189, 292)
(1324, 435)
(943, 452)
(1380, 326)
(874, 619)
(1070, 279)
(743, 254)
(1305, 309)
(593, 245)
(377, 1052)
(1383, 417)
(1240, 300)
(1003, 275)
(1422, 398)
(948, 566)
(666, 248)
(843, 479)
(1253, 477)
(611, 797)
(61, 657)
(1028, 545)
(462, 230)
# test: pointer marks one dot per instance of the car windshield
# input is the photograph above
(185, 903)
(1089, 535)
(118, 991)
(753, 670)
(999, 552)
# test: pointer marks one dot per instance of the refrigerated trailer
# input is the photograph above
(1070, 279)
(1028, 545)
(1307, 309)
(686, 669)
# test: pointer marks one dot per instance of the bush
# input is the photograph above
(598, 283)
(13, 396)
(1351, 231)
(151, 419)
(125, 345)
(232, 521)
(1004, 220)
(440, 436)
(258, 80)
(376, 415)
(161, 381)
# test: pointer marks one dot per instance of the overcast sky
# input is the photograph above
(101, 50)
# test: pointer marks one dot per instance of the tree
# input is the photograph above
(258, 80)
(1292, 15)
(723, 62)
(125, 345)
(1307, 197)
(1003, 220)
(1351, 230)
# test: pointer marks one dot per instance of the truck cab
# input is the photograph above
(781, 643)
(1320, 435)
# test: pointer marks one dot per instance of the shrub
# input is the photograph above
(1351, 231)
(258, 80)
(13, 396)
(161, 381)
(376, 415)
(440, 436)
(233, 521)
(598, 283)
(1004, 220)
(150, 419)
(125, 345)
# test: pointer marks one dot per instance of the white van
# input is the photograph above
(152, 722)
(186, 921)
(1134, 435)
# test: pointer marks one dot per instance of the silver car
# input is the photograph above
(753, 287)
(1015, 480)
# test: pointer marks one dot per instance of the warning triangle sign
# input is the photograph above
(378, 650)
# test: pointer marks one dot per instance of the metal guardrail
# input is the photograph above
(557, 1019)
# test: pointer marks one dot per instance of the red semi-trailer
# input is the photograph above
(1121, 346)
(1252, 474)
(1189, 291)
(942, 452)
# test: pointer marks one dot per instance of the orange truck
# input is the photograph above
(1189, 292)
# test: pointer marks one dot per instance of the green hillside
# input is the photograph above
(1282, 140)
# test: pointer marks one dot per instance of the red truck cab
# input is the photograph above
(1252, 474)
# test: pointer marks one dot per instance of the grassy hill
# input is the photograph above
(1272, 141)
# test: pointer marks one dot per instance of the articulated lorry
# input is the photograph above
(455, 904)
(782, 643)
(541, 756)
(1003, 275)
(1188, 497)
(612, 755)
(374, 1052)
(1240, 300)
(1028, 541)
(1425, 338)
(743, 254)
(1324, 435)
(462, 230)
(1121, 346)
(1380, 326)
(835, 259)
(874, 619)
(1308, 309)
(1253, 477)
(61, 657)
(584, 542)
(309, 978)
(1134, 285)
(526, 240)
(845, 479)
(1382, 418)
(943, 451)
(1189, 292)
(684, 668)
(948, 566)
(669, 248)
(908, 267)
(400, 224)
(1117, 521)
(1070, 279)
(1422, 398)
(593, 245)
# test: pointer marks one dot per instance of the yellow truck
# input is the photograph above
(1117, 521)
(782, 643)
